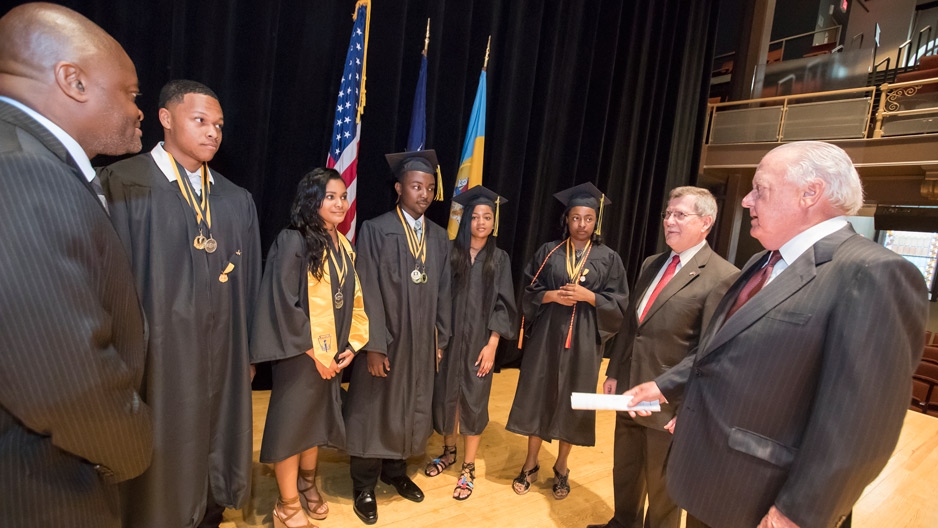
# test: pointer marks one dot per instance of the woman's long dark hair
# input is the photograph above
(596, 239)
(304, 216)
(459, 259)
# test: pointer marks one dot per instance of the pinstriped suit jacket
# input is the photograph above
(72, 341)
(798, 399)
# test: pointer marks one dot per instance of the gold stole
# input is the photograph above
(322, 316)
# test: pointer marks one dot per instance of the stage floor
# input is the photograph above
(902, 497)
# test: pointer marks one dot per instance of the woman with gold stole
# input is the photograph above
(310, 321)
(483, 313)
(574, 299)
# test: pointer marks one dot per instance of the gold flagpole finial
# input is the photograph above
(426, 40)
(488, 46)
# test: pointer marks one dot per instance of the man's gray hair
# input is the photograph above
(816, 159)
(704, 202)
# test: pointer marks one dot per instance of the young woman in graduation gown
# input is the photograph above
(310, 321)
(574, 300)
(483, 312)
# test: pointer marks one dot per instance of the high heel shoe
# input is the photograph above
(287, 509)
(316, 505)
(522, 483)
(561, 487)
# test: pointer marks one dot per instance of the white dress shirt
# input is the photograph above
(686, 255)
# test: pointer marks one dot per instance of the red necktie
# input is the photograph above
(668, 273)
(755, 283)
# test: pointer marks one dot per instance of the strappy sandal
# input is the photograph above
(522, 483)
(440, 463)
(306, 484)
(561, 486)
(288, 509)
(466, 482)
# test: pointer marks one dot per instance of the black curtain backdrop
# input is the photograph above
(605, 91)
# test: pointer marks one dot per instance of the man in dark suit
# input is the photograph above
(663, 326)
(72, 331)
(795, 397)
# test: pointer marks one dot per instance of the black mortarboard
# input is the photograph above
(419, 160)
(481, 195)
(585, 195)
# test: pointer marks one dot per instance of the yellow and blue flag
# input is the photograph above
(473, 150)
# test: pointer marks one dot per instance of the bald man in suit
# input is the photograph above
(662, 326)
(72, 331)
(795, 397)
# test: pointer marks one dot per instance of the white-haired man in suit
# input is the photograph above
(795, 397)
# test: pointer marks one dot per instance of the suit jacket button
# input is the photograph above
(698, 372)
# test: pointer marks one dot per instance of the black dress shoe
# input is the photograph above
(366, 507)
(405, 487)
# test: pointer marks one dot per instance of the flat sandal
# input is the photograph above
(466, 481)
(440, 463)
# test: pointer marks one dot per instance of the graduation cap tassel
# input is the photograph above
(497, 207)
(439, 185)
(599, 221)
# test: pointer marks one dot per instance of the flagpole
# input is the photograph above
(426, 40)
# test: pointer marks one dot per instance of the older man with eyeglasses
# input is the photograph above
(662, 326)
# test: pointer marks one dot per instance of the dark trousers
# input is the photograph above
(213, 512)
(638, 471)
(365, 471)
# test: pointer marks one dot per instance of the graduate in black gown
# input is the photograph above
(483, 312)
(310, 320)
(403, 263)
(193, 240)
(574, 301)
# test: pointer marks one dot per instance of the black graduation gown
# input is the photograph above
(474, 320)
(197, 378)
(550, 372)
(391, 417)
(305, 410)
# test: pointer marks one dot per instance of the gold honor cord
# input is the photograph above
(576, 274)
(342, 272)
(574, 267)
(203, 210)
(418, 248)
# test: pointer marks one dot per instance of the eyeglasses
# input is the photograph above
(678, 215)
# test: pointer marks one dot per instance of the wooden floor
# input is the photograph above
(902, 497)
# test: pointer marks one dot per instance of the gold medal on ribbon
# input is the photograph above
(418, 248)
(202, 210)
(341, 270)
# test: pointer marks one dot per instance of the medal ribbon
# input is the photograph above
(418, 248)
(341, 271)
(203, 210)
(574, 268)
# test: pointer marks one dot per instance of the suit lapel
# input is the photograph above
(681, 278)
(788, 282)
(22, 120)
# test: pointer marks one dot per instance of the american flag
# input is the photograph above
(343, 154)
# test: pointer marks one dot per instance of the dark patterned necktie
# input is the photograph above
(755, 283)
